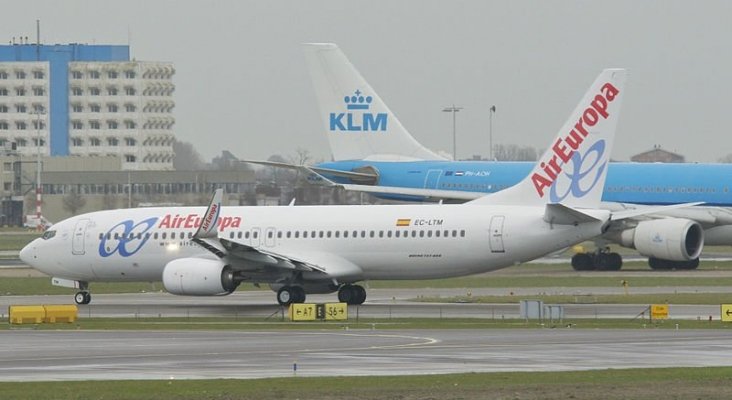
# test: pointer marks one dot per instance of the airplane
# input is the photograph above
(374, 153)
(299, 250)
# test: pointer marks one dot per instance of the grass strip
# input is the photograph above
(651, 384)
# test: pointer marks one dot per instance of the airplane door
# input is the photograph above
(496, 234)
(269, 237)
(77, 242)
(256, 239)
(432, 178)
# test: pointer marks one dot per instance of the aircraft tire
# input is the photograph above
(298, 294)
(82, 298)
(582, 262)
(286, 296)
(612, 262)
(346, 294)
(360, 295)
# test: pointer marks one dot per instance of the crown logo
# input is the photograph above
(357, 101)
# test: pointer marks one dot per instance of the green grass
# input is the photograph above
(651, 384)
(661, 298)
(16, 239)
(277, 323)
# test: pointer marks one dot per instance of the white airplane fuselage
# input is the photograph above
(385, 242)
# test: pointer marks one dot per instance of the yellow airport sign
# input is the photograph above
(659, 311)
(726, 312)
(302, 312)
(336, 311)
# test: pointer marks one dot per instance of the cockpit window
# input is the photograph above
(48, 234)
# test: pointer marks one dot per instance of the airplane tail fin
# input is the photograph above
(572, 171)
(358, 123)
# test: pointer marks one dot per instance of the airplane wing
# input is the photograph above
(657, 211)
(332, 267)
(319, 171)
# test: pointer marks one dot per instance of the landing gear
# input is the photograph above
(290, 294)
(660, 264)
(602, 260)
(352, 294)
(82, 298)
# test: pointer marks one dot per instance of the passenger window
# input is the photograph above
(238, 234)
(388, 233)
(446, 233)
(312, 235)
(231, 235)
(269, 235)
(164, 235)
(279, 235)
(437, 233)
(396, 233)
(421, 233)
(255, 235)
(381, 234)
(172, 235)
(371, 233)
(363, 234)
(462, 233)
(305, 234)
(320, 234)
(454, 233)
(337, 234)
(429, 233)
(414, 233)
(116, 235)
(288, 234)
(101, 235)
(345, 234)
(156, 236)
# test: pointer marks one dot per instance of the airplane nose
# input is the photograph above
(28, 253)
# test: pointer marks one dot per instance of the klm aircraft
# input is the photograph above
(375, 153)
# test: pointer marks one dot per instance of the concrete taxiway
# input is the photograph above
(85, 355)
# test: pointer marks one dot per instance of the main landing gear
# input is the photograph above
(352, 294)
(290, 294)
(82, 298)
(601, 260)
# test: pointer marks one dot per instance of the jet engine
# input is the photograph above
(198, 277)
(673, 239)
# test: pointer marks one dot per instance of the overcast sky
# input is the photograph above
(242, 83)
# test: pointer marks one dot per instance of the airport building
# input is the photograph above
(86, 100)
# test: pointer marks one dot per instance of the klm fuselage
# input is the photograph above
(638, 183)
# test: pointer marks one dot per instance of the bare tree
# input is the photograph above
(513, 152)
(73, 202)
(186, 157)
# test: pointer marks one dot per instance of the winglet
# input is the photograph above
(209, 222)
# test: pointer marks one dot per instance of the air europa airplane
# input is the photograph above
(386, 160)
(323, 249)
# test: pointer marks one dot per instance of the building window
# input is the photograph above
(94, 74)
(76, 142)
(130, 141)
(95, 142)
(112, 124)
(112, 91)
(3, 75)
(112, 74)
(38, 108)
(38, 91)
(94, 124)
(130, 91)
(112, 108)
(77, 108)
(130, 107)
(76, 74)
(20, 108)
(129, 74)
(20, 91)
(94, 91)
(38, 74)
(130, 158)
(22, 142)
(38, 142)
(112, 141)
(3, 91)
(77, 91)
(20, 74)
(77, 125)
(38, 124)
(95, 107)
(4, 125)
(130, 124)
(3, 108)
(20, 125)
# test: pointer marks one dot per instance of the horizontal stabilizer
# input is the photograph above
(560, 214)
(315, 170)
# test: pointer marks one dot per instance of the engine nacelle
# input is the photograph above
(198, 277)
(674, 239)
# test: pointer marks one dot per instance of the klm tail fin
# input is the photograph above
(357, 122)
(572, 171)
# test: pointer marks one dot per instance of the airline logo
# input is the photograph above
(565, 149)
(127, 237)
(357, 117)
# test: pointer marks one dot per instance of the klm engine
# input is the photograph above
(198, 277)
(673, 239)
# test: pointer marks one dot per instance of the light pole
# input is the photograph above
(38, 112)
(453, 110)
(490, 131)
